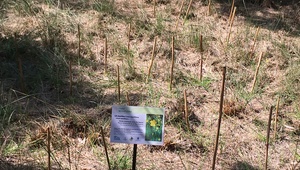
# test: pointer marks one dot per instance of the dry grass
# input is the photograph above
(44, 35)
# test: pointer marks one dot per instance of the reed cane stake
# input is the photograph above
(254, 43)
(186, 111)
(276, 116)
(220, 118)
(201, 58)
(105, 148)
(105, 55)
(181, 6)
(187, 11)
(48, 148)
(256, 72)
(172, 64)
(231, 11)
(152, 58)
(268, 137)
(118, 74)
(231, 23)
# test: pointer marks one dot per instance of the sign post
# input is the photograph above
(137, 125)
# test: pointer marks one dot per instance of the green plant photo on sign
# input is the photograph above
(154, 127)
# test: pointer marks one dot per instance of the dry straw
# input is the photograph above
(152, 58)
(172, 64)
(256, 72)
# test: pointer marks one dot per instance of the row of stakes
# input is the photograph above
(231, 19)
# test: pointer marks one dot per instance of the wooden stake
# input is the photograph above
(128, 100)
(201, 58)
(256, 72)
(105, 148)
(181, 6)
(172, 64)
(79, 42)
(69, 155)
(187, 11)
(186, 111)
(276, 116)
(268, 137)
(48, 148)
(152, 58)
(128, 45)
(118, 74)
(70, 77)
(231, 11)
(209, 7)
(231, 23)
(105, 55)
(21, 74)
(154, 8)
(220, 118)
(254, 43)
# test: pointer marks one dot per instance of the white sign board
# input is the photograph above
(137, 125)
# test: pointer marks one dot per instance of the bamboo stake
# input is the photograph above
(70, 77)
(21, 74)
(172, 64)
(231, 23)
(105, 55)
(268, 137)
(129, 30)
(256, 72)
(69, 155)
(128, 100)
(187, 11)
(201, 58)
(186, 111)
(152, 58)
(253, 46)
(105, 148)
(220, 117)
(181, 6)
(209, 7)
(48, 148)
(118, 74)
(154, 9)
(231, 11)
(276, 116)
(79, 42)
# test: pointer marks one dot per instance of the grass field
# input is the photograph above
(58, 71)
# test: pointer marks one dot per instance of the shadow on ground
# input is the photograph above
(281, 15)
(243, 166)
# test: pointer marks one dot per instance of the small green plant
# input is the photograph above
(120, 162)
